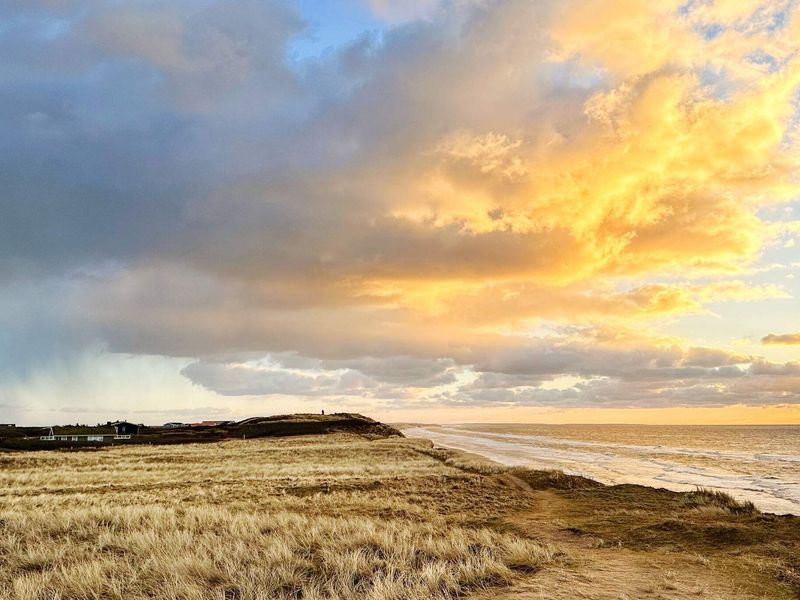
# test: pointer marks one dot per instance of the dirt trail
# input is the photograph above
(592, 569)
(623, 575)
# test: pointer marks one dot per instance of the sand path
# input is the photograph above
(592, 570)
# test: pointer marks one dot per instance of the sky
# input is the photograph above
(421, 210)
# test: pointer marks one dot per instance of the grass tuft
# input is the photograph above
(707, 498)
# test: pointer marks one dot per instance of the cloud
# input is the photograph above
(590, 356)
(244, 380)
(405, 10)
(788, 339)
(391, 377)
(762, 367)
(404, 209)
(407, 371)
(205, 52)
(761, 383)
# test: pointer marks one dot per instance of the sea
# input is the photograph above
(752, 462)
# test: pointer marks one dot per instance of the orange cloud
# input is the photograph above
(785, 339)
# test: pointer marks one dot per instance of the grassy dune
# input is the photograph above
(342, 516)
(315, 517)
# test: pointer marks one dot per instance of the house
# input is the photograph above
(111, 431)
(125, 428)
(174, 425)
(83, 437)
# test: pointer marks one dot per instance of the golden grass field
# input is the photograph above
(342, 516)
(312, 517)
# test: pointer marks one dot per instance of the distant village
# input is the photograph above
(122, 430)
(78, 436)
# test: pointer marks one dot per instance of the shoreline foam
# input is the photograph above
(765, 479)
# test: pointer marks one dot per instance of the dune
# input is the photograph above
(365, 514)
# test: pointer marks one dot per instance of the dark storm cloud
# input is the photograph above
(107, 114)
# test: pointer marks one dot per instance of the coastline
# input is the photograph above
(623, 528)
(678, 469)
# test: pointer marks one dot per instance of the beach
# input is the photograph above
(751, 462)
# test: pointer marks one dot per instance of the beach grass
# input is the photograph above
(313, 517)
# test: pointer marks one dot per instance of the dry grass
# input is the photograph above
(322, 517)
(705, 498)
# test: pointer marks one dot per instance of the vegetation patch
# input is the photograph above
(704, 498)
(324, 517)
